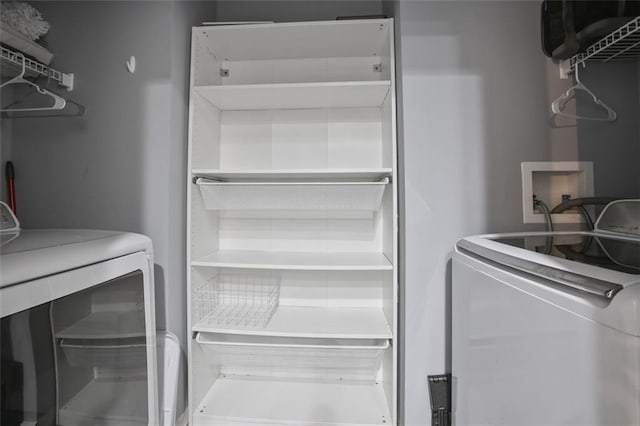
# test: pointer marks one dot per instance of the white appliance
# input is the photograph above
(546, 326)
(292, 224)
(77, 340)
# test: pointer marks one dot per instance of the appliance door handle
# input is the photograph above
(204, 341)
(64, 343)
(594, 286)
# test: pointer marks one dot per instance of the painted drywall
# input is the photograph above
(123, 166)
(473, 105)
(614, 147)
(474, 102)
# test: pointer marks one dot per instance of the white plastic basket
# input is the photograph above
(242, 301)
(295, 357)
(114, 353)
(363, 196)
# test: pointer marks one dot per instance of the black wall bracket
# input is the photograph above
(440, 398)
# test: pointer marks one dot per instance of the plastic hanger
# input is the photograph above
(558, 106)
(80, 111)
(58, 102)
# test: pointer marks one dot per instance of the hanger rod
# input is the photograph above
(15, 58)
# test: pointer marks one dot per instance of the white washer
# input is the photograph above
(538, 339)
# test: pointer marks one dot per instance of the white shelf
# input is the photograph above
(107, 402)
(367, 174)
(621, 44)
(106, 325)
(315, 196)
(243, 400)
(297, 40)
(312, 322)
(297, 95)
(12, 61)
(23, 44)
(316, 261)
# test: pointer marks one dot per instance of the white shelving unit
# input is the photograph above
(292, 217)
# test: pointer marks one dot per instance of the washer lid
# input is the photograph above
(620, 217)
(32, 254)
(581, 261)
(607, 296)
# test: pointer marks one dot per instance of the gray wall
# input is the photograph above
(123, 167)
(473, 107)
(614, 148)
(474, 101)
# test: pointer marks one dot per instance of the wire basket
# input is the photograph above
(242, 301)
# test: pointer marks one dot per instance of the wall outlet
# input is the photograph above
(549, 181)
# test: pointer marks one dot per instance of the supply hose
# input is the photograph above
(579, 202)
(548, 245)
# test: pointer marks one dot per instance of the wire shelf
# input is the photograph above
(242, 301)
(12, 65)
(621, 44)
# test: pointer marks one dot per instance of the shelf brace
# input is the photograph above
(566, 68)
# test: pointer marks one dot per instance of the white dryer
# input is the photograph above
(77, 327)
(546, 326)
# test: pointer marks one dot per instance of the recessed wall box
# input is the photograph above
(549, 181)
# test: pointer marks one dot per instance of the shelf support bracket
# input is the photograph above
(566, 68)
(34, 67)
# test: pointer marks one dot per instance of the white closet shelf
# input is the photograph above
(315, 322)
(23, 44)
(297, 40)
(243, 400)
(304, 195)
(621, 44)
(309, 261)
(361, 174)
(106, 325)
(107, 402)
(297, 95)
(12, 62)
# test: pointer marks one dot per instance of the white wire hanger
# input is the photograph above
(558, 106)
(58, 102)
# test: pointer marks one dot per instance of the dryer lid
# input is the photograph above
(33, 254)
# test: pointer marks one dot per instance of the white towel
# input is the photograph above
(24, 18)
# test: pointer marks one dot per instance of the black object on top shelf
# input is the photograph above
(569, 27)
